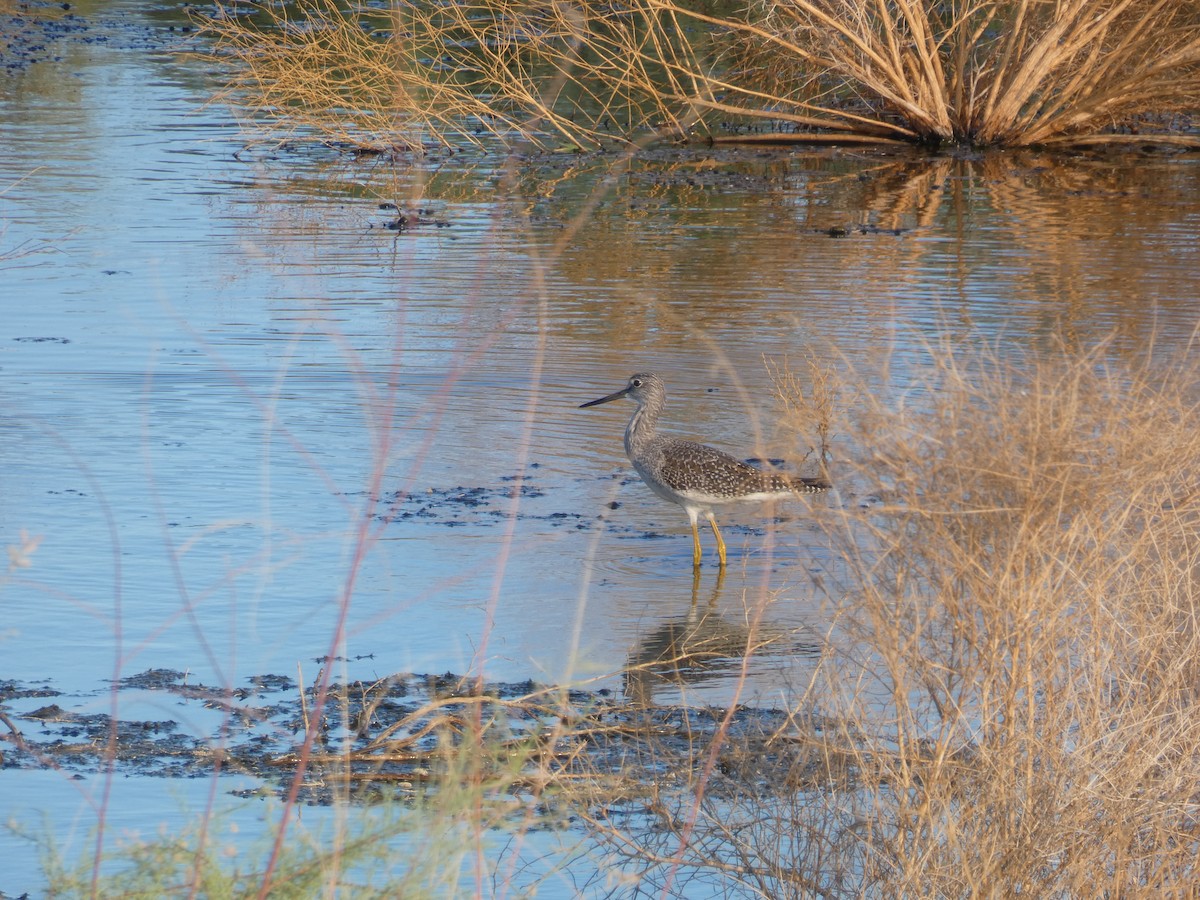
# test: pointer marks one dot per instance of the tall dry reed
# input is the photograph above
(1020, 631)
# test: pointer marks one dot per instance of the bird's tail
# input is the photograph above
(810, 485)
(779, 483)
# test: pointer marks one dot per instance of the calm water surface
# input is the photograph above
(240, 412)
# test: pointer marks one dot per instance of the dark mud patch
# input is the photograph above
(36, 32)
(527, 499)
(31, 33)
(475, 505)
(406, 220)
(838, 231)
(401, 735)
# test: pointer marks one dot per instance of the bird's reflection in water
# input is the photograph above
(702, 646)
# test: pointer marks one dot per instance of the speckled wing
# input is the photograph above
(689, 467)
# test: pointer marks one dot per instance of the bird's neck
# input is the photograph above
(642, 427)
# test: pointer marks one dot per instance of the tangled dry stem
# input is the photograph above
(1023, 613)
(984, 72)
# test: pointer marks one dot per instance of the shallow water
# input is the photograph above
(253, 426)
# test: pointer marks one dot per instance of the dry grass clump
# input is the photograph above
(983, 72)
(1021, 661)
(445, 72)
(986, 73)
(815, 403)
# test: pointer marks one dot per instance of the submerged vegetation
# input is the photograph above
(977, 72)
(1004, 702)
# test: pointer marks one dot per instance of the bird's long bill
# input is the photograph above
(615, 396)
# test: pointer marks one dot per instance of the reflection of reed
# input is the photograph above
(1036, 238)
(700, 646)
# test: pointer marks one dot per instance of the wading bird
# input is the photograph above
(695, 476)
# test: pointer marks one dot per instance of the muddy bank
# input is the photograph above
(32, 32)
(396, 736)
(35, 32)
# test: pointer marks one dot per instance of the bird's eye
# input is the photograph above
(637, 382)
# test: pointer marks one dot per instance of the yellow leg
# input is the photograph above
(720, 542)
(695, 547)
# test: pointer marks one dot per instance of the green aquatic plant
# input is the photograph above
(435, 803)
(386, 850)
